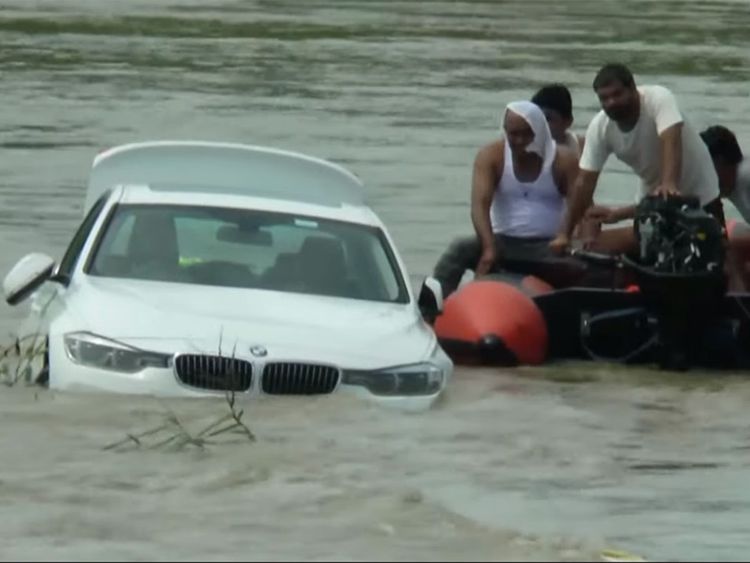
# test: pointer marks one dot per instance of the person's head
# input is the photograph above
(557, 105)
(726, 153)
(518, 132)
(526, 130)
(615, 86)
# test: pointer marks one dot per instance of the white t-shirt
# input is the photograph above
(741, 194)
(640, 148)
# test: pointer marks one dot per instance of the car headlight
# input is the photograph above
(95, 351)
(417, 379)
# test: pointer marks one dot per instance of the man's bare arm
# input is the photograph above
(580, 200)
(581, 143)
(622, 213)
(568, 171)
(671, 159)
(483, 185)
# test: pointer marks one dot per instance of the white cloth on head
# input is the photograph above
(543, 144)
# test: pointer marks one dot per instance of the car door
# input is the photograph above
(48, 299)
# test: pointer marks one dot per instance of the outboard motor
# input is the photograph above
(680, 272)
(677, 236)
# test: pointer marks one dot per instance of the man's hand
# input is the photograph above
(666, 189)
(560, 244)
(486, 261)
(601, 214)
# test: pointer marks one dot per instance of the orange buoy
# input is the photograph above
(493, 322)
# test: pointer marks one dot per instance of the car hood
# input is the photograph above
(172, 318)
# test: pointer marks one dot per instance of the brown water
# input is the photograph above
(553, 463)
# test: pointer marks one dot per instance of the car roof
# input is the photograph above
(224, 170)
(195, 195)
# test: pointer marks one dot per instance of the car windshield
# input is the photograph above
(249, 249)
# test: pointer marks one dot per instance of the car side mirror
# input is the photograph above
(430, 299)
(26, 276)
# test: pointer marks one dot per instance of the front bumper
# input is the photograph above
(66, 375)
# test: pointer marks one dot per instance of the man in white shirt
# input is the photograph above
(644, 128)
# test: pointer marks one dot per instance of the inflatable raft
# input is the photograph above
(670, 307)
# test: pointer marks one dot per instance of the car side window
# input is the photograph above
(70, 258)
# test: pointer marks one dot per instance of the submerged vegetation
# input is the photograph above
(173, 434)
(24, 362)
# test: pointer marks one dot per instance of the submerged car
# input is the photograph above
(201, 268)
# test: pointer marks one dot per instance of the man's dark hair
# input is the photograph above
(555, 97)
(722, 144)
(614, 72)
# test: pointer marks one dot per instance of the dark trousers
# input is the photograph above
(531, 256)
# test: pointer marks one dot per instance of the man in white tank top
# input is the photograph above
(645, 129)
(519, 187)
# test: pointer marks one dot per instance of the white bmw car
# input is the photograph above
(201, 268)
